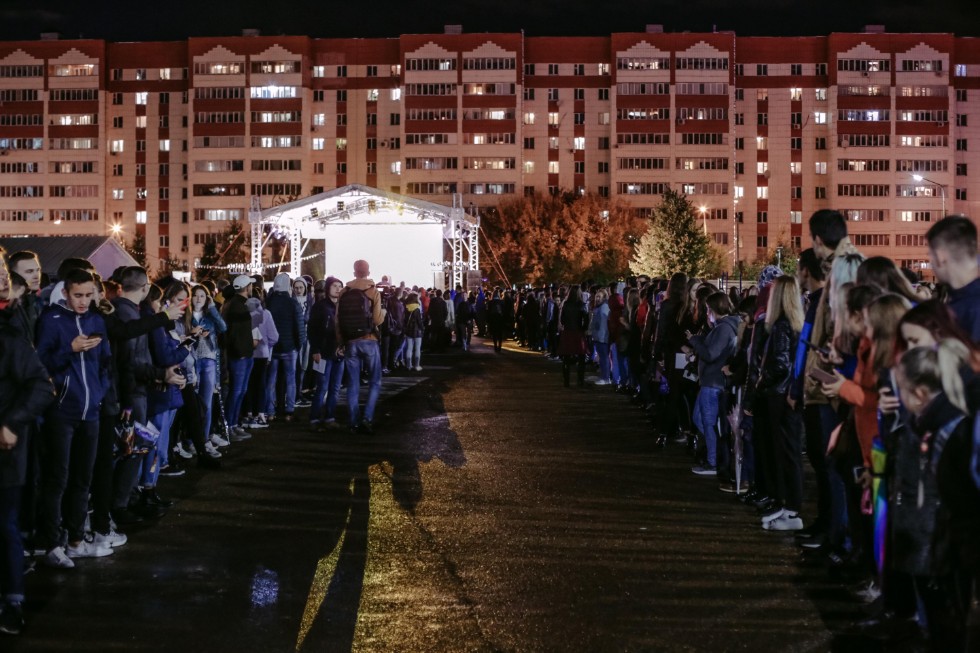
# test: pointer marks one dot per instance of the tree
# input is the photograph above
(227, 247)
(786, 259)
(676, 242)
(564, 237)
(138, 248)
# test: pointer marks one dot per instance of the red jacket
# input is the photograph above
(616, 307)
(862, 393)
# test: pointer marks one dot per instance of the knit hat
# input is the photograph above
(768, 275)
(282, 283)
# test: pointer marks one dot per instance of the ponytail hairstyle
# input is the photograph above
(884, 315)
(938, 369)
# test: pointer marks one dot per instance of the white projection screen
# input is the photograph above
(403, 252)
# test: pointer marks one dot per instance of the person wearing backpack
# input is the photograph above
(395, 323)
(359, 314)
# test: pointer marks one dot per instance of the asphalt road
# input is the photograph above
(493, 510)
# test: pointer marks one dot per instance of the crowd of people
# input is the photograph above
(109, 384)
(855, 363)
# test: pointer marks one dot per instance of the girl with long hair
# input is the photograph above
(675, 319)
(573, 320)
(778, 441)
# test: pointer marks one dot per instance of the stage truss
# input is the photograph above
(308, 219)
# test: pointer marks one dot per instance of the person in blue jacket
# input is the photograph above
(165, 398)
(73, 348)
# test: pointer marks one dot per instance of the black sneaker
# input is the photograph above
(125, 517)
(172, 469)
(367, 427)
(151, 498)
(12, 619)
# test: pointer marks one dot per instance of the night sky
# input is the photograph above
(133, 20)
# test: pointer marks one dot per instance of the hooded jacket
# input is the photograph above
(238, 338)
(128, 334)
(81, 378)
(287, 314)
(166, 353)
(714, 350)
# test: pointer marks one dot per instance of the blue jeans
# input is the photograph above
(706, 420)
(618, 365)
(413, 352)
(159, 457)
(286, 364)
(327, 389)
(207, 379)
(239, 369)
(603, 352)
(367, 354)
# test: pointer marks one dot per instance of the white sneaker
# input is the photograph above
(219, 441)
(603, 382)
(212, 450)
(110, 539)
(57, 559)
(260, 422)
(87, 548)
(773, 516)
(418, 368)
(185, 451)
(788, 521)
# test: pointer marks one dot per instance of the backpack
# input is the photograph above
(355, 314)
(414, 325)
(396, 318)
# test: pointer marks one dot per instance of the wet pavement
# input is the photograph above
(493, 510)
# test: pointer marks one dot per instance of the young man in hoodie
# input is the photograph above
(361, 351)
(73, 348)
(714, 351)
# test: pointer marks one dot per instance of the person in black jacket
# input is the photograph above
(781, 442)
(675, 319)
(25, 393)
(932, 389)
(239, 344)
(574, 320)
(328, 367)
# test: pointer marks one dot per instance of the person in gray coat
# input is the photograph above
(713, 351)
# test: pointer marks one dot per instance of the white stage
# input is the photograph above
(399, 236)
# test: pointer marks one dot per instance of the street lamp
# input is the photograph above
(703, 210)
(942, 189)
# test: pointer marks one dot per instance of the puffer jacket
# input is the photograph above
(776, 374)
(715, 349)
(81, 378)
(132, 353)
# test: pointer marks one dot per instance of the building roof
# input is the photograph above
(104, 252)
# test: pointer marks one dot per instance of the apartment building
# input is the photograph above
(174, 139)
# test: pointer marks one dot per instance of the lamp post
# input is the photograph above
(942, 189)
(703, 210)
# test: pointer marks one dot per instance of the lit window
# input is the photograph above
(117, 146)
(553, 167)
(318, 143)
(820, 117)
(820, 167)
(372, 95)
(762, 192)
(396, 94)
(117, 193)
(528, 117)
(396, 167)
(578, 143)
(165, 145)
(140, 122)
(319, 71)
(141, 98)
(762, 167)
(528, 167)
(141, 217)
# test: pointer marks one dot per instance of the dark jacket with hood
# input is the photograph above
(715, 349)
(776, 374)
